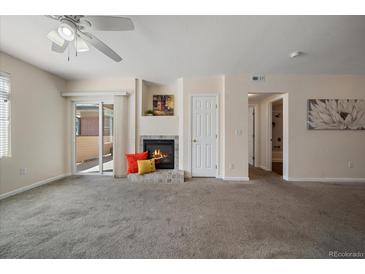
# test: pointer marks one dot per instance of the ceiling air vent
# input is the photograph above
(258, 78)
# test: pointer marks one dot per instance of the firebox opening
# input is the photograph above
(162, 151)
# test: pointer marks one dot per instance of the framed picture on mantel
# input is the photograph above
(163, 105)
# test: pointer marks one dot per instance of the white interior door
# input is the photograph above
(204, 136)
(251, 135)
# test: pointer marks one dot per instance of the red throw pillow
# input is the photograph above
(132, 161)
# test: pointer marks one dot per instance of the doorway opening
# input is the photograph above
(267, 134)
(277, 136)
(251, 135)
(93, 138)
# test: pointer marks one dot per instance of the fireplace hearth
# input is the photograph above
(162, 150)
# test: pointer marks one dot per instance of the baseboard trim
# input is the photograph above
(37, 184)
(244, 179)
(327, 180)
(264, 168)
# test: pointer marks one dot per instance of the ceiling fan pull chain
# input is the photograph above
(68, 53)
(76, 45)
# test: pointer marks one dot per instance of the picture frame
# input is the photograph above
(336, 114)
(163, 105)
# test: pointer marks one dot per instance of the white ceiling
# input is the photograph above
(163, 48)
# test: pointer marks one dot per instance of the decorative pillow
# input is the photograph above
(132, 161)
(146, 166)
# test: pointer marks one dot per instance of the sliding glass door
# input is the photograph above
(108, 122)
(93, 150)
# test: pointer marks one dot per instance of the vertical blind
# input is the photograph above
(4, 114)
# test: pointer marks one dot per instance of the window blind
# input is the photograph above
(4, 114)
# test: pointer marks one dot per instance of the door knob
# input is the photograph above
(194, 141)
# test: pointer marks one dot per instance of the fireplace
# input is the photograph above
(162, 150)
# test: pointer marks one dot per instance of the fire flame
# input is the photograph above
(158, 154)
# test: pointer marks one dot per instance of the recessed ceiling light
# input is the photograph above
(295, 54)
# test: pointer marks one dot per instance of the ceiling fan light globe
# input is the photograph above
(66, 31)
(80, 45)
(55, 38)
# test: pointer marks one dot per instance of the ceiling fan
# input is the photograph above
(74, 29)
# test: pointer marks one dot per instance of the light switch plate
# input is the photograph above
(23, 171)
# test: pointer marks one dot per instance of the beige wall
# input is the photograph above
(311, 154)
(38, 126)
(41, 123)
(315, 154)
(150, 89)
(102, 84)
(156, 125)
(236, 127)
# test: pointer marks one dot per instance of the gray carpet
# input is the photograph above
(102, 217)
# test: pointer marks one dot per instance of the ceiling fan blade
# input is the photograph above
(99, 45)
(54, 17)
(59, 49)
(107, 23)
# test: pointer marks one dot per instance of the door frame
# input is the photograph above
(256, 133)
(100, 103)
(285, 98)
(217, 140)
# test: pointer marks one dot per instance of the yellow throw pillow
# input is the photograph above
(146, 166)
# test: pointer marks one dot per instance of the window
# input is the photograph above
(4, 115)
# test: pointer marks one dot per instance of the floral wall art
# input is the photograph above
(338, 114)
